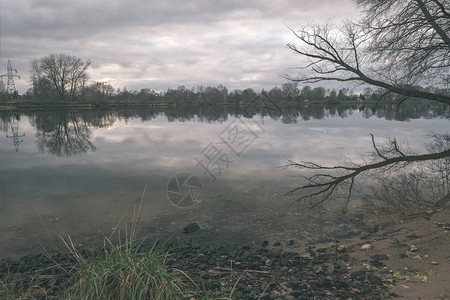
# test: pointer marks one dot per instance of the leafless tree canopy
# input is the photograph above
(63, 74)
(397, 45)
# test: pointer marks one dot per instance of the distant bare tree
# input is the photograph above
(397, 45)
(65, 74)
(3, 93)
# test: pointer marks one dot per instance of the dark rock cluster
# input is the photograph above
(240, 271)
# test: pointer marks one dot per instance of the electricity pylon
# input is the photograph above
(10, 86)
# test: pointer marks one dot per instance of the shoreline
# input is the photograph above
(31, 105)
(406, 258)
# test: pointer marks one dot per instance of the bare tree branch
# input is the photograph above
(395, 46)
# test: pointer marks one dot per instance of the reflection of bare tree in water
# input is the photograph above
(428, 184)
(64, 134)
(403, 178)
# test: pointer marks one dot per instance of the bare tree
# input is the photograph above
(65, 74)
(397, 45)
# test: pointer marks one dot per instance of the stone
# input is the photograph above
(341, 248)
(193, 227)
(413, 248)
(366, 247)
(276, 252)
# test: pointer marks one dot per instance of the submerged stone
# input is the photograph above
(193, 227)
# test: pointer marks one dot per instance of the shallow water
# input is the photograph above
(83, 172)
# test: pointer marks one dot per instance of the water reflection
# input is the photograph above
(14, 122)
(91, 166)
(63, 133)
(67, 133)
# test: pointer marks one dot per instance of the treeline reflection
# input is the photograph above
(68, 132)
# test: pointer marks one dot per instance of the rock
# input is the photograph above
(379, 257)
(329, 270)
(193, 227)
(374, 229)
(276, 252)
(341, 248)
(413, 248)
(324, 275)
(434, 263)
(238, 295)
(414, 236)
(366, 247)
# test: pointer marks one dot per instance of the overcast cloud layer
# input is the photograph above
(160, 44)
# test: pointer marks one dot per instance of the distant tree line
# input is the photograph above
(60, 77)
(288, 92)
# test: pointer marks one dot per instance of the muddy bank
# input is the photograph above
(404, 258)
(252, 271)
(411, 253)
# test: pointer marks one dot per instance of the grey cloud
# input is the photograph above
(160, 44)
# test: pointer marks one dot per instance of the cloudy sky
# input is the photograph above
(161, 44)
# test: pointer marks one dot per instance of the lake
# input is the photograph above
(83, 173)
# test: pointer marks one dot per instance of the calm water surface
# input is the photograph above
(81, 172)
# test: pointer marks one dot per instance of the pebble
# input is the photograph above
(193, 227)
(434, 263)
(413, 248)
(405, 286)
(366, 247)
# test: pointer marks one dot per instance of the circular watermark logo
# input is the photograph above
(184, 189)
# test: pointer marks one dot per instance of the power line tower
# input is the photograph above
(10, 86)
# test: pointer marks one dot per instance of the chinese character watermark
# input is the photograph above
(237, 137)
(185, 189)
(212, 160)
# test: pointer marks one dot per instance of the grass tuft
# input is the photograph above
(123, 273)
(120, 270)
